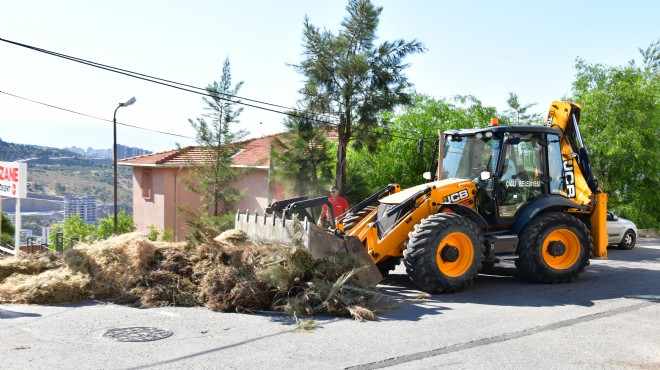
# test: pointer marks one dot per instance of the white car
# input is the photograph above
(621, 232)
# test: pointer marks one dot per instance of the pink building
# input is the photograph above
(158, 190)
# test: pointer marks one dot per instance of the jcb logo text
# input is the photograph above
(569, 178)
(453, 198)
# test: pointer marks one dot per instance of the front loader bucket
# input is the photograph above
(319, 241)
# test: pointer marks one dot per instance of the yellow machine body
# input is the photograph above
(561, 116)
(383, 244)
(453, 227)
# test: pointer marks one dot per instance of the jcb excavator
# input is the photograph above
(502, 192)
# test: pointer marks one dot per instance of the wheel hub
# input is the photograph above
(556, 248)
(449, 253)
(628, 239)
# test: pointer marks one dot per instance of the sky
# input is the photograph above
(482, 48)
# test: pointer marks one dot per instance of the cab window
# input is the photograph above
(520, 173)
(555, 166)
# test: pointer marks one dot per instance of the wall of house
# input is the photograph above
(168, 192)
(148, 211)
(183, 198)
(255, 185)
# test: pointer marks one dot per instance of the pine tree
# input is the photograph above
(301, 157)
(518, 113)
(348, 75)
(211, 160)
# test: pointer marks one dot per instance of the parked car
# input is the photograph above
(621, 232)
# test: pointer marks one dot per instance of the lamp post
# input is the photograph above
(114, 121)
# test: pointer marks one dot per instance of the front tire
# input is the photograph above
(628, 241)
(444, 253)
(554, 248)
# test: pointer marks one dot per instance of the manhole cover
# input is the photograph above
(137, 334)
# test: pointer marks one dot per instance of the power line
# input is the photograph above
(183, 87)
(169, 133)
(90, 116)
(169, 83)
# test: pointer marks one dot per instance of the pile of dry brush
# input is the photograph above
(230, 273)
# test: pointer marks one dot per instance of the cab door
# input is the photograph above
(522, 168)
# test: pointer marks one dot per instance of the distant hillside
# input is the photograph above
(10, 152)
(59, 172)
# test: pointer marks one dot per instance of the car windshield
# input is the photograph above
(465, 157)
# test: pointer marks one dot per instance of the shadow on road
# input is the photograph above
(6, 314)
(502, 285)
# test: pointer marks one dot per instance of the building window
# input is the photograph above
(146, 184)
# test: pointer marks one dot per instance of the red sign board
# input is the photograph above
(13, 179)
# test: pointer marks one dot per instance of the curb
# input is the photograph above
(648, 233)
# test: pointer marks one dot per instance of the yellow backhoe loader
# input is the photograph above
(502, 192)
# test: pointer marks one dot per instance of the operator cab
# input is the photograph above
(511, 165)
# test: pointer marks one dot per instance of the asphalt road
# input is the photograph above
(607, 319)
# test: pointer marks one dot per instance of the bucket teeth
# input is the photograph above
(269, 228)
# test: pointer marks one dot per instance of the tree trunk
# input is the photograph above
(343, 134)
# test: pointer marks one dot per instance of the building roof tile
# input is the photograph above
(253, 153)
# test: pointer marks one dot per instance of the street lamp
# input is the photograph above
(114, 120)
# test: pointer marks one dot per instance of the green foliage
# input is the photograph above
(212, 175)
(106, 226)
(8, 231)
(7, 226)
(518, 113)
(75, 227)
(620, 123)
(202, 227)
(349, 75)
(398, 161)
(59, 188)
(168, 235)
(357, 186)
(54, 230)
(153, 233)
(301, 159)
(650, 60)
(226, 222)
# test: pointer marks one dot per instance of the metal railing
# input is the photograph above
(61, 244)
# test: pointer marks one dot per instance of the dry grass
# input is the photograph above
(60, 285)
(30, 264)
(361, 313)
(306, 326)
(230, 273)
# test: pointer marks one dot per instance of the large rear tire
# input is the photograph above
(554, 248)
(444, 253)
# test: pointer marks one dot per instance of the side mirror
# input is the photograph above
(427, 175)
(485, 176)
